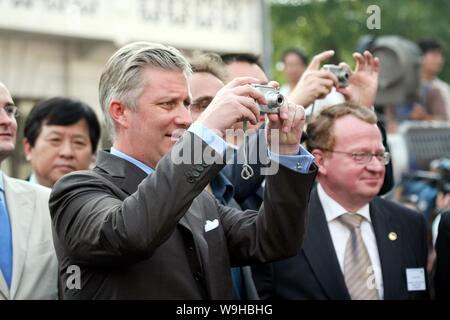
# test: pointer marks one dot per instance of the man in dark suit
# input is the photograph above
(442, 274)
(358, 245)
(139, 226)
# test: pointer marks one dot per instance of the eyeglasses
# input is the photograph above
(11, 111)
(201, 104)
(366, 157)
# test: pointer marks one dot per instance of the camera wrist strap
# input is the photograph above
(247, 170)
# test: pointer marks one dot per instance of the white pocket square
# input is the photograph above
(211, 225)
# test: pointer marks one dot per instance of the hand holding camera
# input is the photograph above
(363, 81)
(315, 83)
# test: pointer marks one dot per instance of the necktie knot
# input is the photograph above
(351, 220)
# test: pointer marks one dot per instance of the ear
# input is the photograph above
(320, 160)
(119, 113)
(27, 148)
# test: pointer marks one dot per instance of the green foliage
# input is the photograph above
(319, 25)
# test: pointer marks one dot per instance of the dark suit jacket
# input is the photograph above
(442, 275)
(315, 272)
(143, 237)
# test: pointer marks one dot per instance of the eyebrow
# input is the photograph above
(202, 98)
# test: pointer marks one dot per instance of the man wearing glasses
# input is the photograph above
(358, 246)
(28, 265)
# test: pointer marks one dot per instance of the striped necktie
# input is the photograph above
(5, 244)
(358, 271)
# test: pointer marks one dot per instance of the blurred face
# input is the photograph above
(8, 125)
(146, 134)
(433, 61)
(245, 69)
(351, 184)
(59, 150)
(204, 87)
(293, 68)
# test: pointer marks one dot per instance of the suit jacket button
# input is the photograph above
(195, 174)
(190, 179)
(199, 168)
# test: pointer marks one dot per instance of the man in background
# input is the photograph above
(60, 136)
(294, 64)
(28, 264)
(358, 246)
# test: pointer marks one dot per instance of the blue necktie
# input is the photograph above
(5, 244)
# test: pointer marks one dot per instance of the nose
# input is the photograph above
(183, 117)
(66, 150)
(376, 165)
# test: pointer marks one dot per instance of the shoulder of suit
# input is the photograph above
(22, 184)
(397, 209)
(445, 217)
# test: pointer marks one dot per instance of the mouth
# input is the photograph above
(175, 135)
(7, 135)
(65, 168)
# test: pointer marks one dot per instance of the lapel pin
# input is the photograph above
(392, 236)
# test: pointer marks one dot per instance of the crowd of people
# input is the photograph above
(134, 222)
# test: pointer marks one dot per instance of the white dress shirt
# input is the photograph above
(340, 234)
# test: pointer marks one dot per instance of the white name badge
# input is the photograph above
(415, 279)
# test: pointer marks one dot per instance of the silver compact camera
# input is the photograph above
(342, 74)
(274, 99)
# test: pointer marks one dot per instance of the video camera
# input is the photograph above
(439, 179)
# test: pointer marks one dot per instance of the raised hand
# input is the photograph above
(236, 102)
(363, 81)
(289, 124)
(314, 83)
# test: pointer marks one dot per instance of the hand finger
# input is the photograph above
(376, 65)
(325, 74)
(288, 123)
(299, 118)
(327, 84)
(249, 91)
(251, 105)
(319, 58)
(241, 81)
(369, 58)
(345, 92)
(274, 84)
(248, 110)
(322, 92)
(359, 61)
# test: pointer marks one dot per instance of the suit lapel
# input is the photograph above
(389, 251)
(319, 251)
(20, 203)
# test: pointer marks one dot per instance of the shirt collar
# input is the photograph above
(137, 163)
(33, 179)
(333, 209)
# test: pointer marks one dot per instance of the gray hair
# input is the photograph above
(122, 76)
